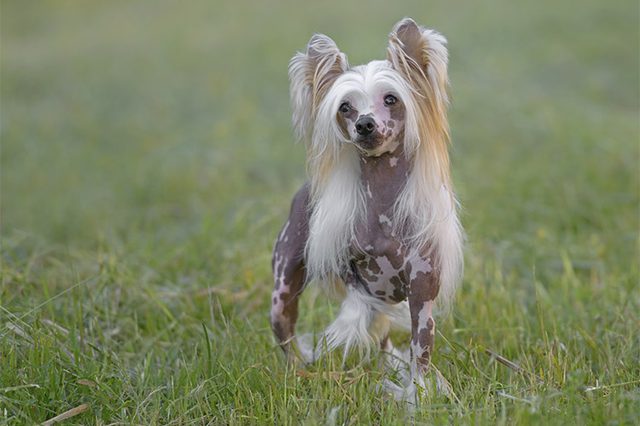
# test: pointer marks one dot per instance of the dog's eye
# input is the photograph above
(390, 100)
(345, 107)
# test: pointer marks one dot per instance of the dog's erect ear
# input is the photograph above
(421, 55)
(311, 75)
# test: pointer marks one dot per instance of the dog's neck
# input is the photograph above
(383, 177)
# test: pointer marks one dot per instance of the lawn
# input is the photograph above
(148, 163)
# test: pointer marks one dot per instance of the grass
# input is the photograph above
(148, 163)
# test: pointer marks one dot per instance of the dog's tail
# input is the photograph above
(363, 322)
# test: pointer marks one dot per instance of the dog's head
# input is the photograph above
(374, 107)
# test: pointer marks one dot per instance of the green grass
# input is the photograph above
(148, 163)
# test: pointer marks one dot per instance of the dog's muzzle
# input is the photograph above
(365, 126)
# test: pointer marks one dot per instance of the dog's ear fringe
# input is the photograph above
(421, 54)
(311, 75)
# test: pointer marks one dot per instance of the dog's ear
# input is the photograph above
(421, 56)
(311, 75)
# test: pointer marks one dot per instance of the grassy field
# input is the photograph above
(148, 163)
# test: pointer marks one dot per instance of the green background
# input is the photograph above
(148, 163)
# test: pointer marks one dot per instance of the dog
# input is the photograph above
(378, 216)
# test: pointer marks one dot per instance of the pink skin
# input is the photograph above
(389, 122)
(289, 271)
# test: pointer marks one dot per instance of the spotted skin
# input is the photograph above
(289, 270)
(387, 268)
(389, 124)
(381, 265)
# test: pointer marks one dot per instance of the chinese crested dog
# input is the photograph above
(378, 217)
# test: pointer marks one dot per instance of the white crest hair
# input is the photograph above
(336, 197)
(426, 210)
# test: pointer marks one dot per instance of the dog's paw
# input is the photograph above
(306, 350)
(406, 393)
(411, 390)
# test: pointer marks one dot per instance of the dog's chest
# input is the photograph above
(381, 264)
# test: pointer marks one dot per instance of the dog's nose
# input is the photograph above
(365, 125)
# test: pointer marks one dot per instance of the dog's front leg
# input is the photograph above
(289, 272)
(289, 283)
(423, 289)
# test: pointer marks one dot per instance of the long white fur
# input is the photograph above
(425, 211)
(338, 202)
(363, 321)
(428, 205)
(335, 212)
(306, 73)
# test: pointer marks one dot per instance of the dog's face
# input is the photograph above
(375, 107)
(370, 109)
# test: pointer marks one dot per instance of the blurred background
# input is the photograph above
(121, 116)
(148, 161)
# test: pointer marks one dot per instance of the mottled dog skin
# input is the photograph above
(381, 265)
(289, 270)
(391, 117)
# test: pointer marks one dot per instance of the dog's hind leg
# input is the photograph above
(289, 272)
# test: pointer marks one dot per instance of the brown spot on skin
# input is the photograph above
(396, 256)
(407, 270)
(371, 142)
(425, 335)
(346, 120)
(366, 276)
(342, 124)
(430, 324)
(429, 292)
(396, 113)
(399, 289)
(288, 268)
(431, 287)
(422, 333)
(373, 266)
(398, 295)
(423, 361)
(278, 331)
(432, 291)
(381, 292)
